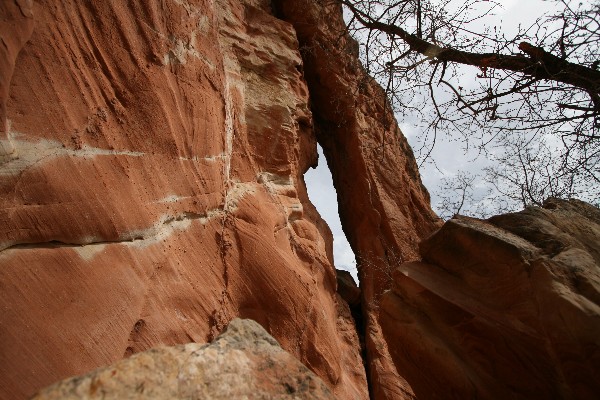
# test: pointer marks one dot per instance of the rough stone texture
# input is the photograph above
(151, 190)
(384, 208)
(347, 288)
(156, 191)
(351, 296)
(16, 26)
(244, 362)
(506, 308)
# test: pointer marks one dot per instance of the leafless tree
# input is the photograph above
(530, 102)
(528, 173)
(458, 195)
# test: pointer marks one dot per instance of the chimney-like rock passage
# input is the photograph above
(156, 190)
(384, 207)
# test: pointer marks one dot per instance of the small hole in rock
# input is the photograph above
(139, 325)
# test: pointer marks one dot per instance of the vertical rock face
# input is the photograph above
(384, 208)
(244, 362)
(504, 308)
(154, 190)
(151, 190)
(16, 25)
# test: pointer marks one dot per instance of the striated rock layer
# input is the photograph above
(244, 362)
(16, 26)
(384, 208)
(151, 189)
(507, 308)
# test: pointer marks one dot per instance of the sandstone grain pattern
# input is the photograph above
(155, 190)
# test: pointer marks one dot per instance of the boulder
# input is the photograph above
(502, 308)
(244, 362)
(347, 288)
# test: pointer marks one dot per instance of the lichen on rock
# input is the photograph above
(244, 362)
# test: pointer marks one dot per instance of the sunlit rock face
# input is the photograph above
(503, 308)
(151, 189)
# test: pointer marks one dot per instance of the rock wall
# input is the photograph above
(16, 26)
(151, 190)
(507, 308)
(244, 362)
(154, 189)
(384, 208)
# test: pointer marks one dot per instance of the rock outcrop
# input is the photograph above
(384, 208)
(347, 288)
(16, 26)
(151, 190)
(244, 362)
(156, 190)
(505, 308)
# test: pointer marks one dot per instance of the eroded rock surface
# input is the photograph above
(384, 208)
(244, 362)
(503, 308)
(347, 288)
(151, 190)
(16, 26)
(155, 190)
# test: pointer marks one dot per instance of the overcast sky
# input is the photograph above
(448, 155)
(323, 196)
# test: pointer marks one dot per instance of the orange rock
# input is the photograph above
(347, 288)
(16, 26)
(384, 207)
(156, 191)
(151, 190)
(504, 308)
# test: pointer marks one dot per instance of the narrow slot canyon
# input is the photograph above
(323, 196)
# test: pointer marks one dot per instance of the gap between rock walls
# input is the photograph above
(323, 196)
(383, 206)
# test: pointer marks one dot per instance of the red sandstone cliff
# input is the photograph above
(151, 190)
(384, 208)
(156, 191)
